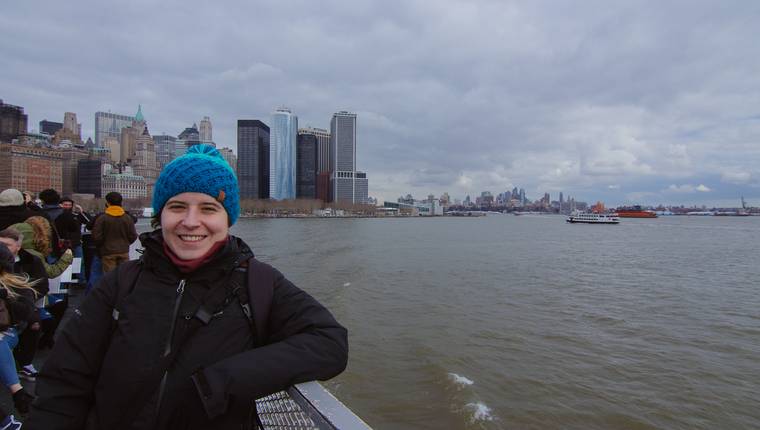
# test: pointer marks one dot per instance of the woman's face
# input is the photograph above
(192, 223)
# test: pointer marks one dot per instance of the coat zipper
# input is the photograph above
(168, 346)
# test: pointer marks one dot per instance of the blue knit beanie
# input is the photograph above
(201, 170)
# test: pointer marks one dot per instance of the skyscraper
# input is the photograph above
(128, 136)
(229, 157)
(90, 176)
(165, 146)
(13, 122)
(70, 123)
(187, 138)
(50, 127)
(323, 146)
(306, 166)
(110, 124)
(282, 155)
(343, 157)
(253, 159)
(205, 131)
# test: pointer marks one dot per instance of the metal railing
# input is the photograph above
(307, 406)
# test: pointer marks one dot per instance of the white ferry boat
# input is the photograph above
(593, 218)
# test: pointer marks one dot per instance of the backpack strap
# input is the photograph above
(129, 272)
(260, 292)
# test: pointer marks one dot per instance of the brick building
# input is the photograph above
(30, 168)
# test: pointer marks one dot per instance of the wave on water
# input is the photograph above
(465, 401)
(459, 380)
(479, 412)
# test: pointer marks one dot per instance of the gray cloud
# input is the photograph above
(461, 97)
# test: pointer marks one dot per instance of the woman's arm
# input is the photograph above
(66, 382)
(304, 343)
(54, 270)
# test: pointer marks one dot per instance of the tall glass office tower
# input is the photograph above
(109, 124)
(282, 155)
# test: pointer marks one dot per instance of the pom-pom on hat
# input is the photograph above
(201, 170)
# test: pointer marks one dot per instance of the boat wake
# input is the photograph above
(465, 402)
(460, 381)
(479, 412)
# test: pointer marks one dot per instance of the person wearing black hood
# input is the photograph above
(51, 203)
(169, 341)
(51, 208)
(69, 225)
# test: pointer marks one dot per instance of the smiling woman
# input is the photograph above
(194, 225)
(185, 350)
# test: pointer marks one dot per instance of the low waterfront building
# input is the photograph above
(417, 208)
(129, 185)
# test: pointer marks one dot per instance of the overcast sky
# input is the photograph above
(625, 102)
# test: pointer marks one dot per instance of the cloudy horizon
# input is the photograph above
(636, 102)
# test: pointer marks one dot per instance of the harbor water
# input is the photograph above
(507, 322)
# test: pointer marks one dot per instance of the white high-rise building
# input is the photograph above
(282, 155)
(343, 157)
(205, 130)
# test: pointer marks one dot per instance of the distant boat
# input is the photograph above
(518, 213)
(593, 218)
(635, 212)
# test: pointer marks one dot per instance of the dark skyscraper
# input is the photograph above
(306, 166)
(50, 127)
(253, 159)
(90, 177)
(13, 122)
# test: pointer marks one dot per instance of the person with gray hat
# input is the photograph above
(13, 209)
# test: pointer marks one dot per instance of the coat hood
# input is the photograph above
(29, 241)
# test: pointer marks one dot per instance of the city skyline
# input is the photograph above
(625, 103)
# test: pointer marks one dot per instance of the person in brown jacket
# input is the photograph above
(113, 233)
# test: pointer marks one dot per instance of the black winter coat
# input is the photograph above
(69, 226)
(10, 215)
(96, 370)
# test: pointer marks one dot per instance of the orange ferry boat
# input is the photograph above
(635, 212)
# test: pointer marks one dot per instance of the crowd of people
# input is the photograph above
(39, 240)
(157, 342)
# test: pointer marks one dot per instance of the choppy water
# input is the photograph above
(508, 322)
